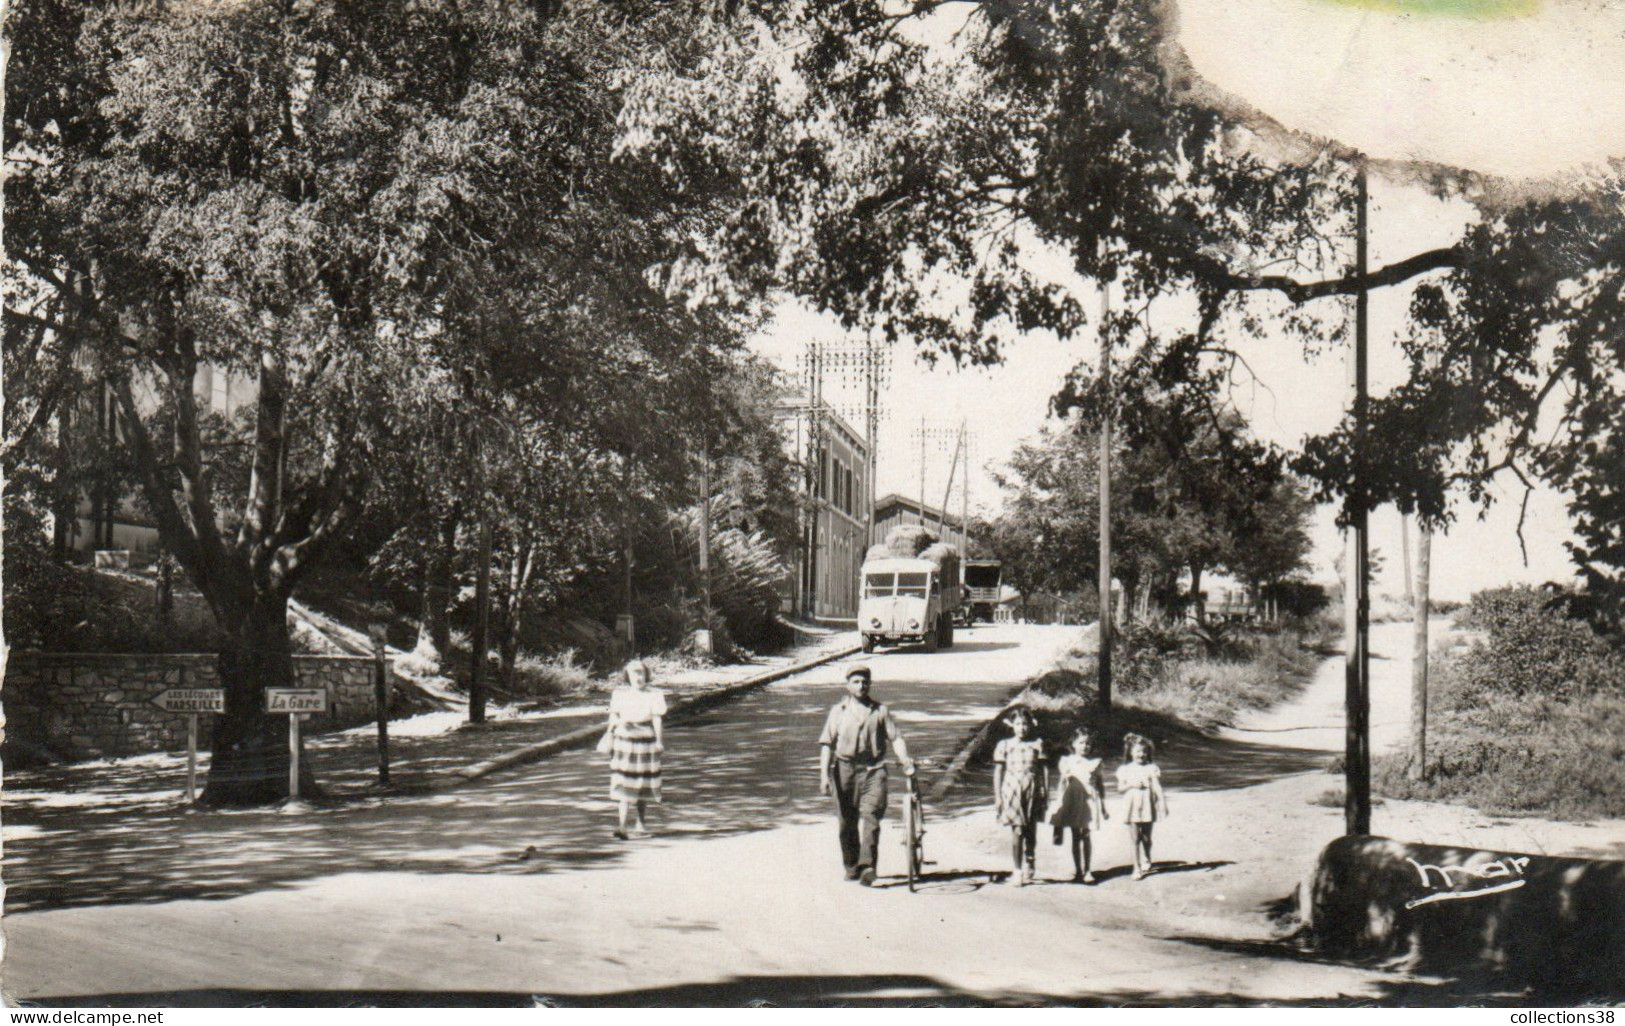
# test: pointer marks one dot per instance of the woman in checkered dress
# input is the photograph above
(636, 713)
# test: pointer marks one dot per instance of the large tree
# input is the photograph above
(374, 211)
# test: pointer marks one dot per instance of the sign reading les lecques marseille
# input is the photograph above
(192, 700)
(295, 700)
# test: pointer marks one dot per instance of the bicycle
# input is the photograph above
(914, 825)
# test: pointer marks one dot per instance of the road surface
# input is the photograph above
(511, 891)
(106, 865)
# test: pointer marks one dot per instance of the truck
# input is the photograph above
(910, 590)
(982, 578)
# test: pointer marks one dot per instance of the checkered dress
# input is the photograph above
(634, 757)
(1023, 790)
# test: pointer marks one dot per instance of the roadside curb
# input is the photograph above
(583, 737)
(968, 750)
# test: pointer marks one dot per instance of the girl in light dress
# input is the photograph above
(1020, 784)
(1140, 781)
(636, 741)
(1081, 805)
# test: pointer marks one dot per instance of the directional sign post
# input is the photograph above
(296, 703)
(192, 701)
(380, 696)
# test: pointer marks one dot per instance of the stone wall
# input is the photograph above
(91, 705)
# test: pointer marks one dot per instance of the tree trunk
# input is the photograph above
(507, 620)
(482, 620)
(1196, 593)
(434, 625)
(249, 765)
(1419, 657)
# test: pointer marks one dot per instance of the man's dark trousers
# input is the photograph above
(860, 802)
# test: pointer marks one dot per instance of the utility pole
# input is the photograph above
(704, 639)
(1103, 683)
(815, 466)
(922, 471)
(482, 621)
(1357, 594)
(964, 500)
(948, 492)
(1405, 555)
(871, 407)
(1419, 654)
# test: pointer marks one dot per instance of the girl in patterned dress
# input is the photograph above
(1080, 806)
(636, 714)
(1020, 785)
(1140, 780)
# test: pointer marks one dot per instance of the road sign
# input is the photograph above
(192, 700)
(295, 700)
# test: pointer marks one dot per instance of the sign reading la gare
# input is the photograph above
(295, 700)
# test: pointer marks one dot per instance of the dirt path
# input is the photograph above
(1253, 807)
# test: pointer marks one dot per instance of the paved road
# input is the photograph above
(744, 767)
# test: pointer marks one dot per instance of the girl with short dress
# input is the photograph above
(636, 716)
(1020, 788)
(1081, 805)
(1140, 781)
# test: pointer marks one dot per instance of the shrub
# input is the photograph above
(1530, 647)
(1563, 758)
(547, 676)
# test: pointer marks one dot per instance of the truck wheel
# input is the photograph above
(868, 644)
(931, 638)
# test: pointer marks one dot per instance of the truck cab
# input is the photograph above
(903, 600)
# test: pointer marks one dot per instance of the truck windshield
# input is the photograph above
(876, 585)
(912, 584)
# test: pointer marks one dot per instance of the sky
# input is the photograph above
(1292, 396)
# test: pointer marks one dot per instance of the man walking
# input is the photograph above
(852, 764)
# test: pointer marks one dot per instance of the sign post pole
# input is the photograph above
(191, 757)
(191, 702)
(293, 756)
(296, 703)
(380, 698)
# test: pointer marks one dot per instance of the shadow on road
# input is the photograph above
(885, 990)
(752, 765)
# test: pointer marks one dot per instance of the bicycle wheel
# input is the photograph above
(915, 819)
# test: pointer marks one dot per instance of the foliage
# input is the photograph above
(924, 176)
(404, 222)
(1530, 755)
(1300, 599)
(1208, 691)
(1529, 719)
(1194, 493)
(1531, 647)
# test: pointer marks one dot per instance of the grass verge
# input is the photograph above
(1521, 756)
(1174, 697)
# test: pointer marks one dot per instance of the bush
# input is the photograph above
(59, 607)
(1529, 755)
(1530, 647)
(1207, 675)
